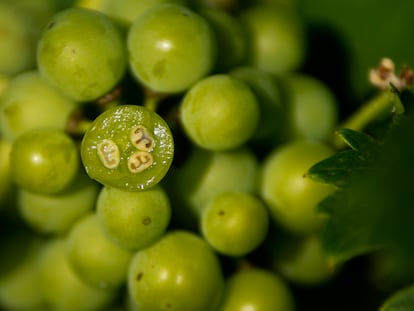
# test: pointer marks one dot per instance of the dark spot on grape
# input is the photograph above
(221, 212)
(168, 305)
(50, 25)
(146, 221)
(159, 69)
(139, 276)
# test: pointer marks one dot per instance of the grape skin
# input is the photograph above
(19, 285)
(133, 220)
(256, 289)
(311, 107)
(131, 10)
(235, 223)
(95, 258)
(55, 214)
(44, 161)
(220, 112)
(291, 196)
(179, 272)
(61, 288)
(25, 95)
(207, 174)
(276, 35)
(161, 58)
(67, 53)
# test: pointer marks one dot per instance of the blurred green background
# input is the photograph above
(348, 37)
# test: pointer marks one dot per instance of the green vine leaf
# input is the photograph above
(373, 207)
(359, 141)
(340, 168)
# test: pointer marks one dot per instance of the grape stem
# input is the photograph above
(77, 124)
(153, 99)
(384, 104)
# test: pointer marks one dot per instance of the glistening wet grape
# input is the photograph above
(128, 147)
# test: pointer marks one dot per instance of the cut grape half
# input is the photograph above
(128, 147)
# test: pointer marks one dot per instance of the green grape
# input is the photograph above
(291, 196)
(89, 4)
(21, 22)
(94, 258)
(128, 147)
(4, 82)
(131, 10)
(17, 42)
(26, 95)
(44, 161)
(19, 287)
(61, 288)
(82, 53)
(235, 223)
(231, 38)
(170, 48)
(303, 261)
(179, 272)
(40, 11)
(256, 289)
(133, 220)
(206, 174)
(6, 183)
(311, 108)
(276, 37)
(271, 99)
(219, 112)
(56, 213)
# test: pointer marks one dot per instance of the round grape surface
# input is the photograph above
(179, 272)
(170, 47)
(220, 112)
(256, 289)
(44, 161)
(56, 213)
(277, 37)
(61, 287)
(133, 219)
(292, 197)
(82, 53)
(95, 258)
(128, 147)
(25, 96)
(235, 223)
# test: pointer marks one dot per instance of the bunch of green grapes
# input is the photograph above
(150, 148)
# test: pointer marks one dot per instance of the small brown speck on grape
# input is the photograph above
(139, 276)
(50, 25)
(146, 221)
